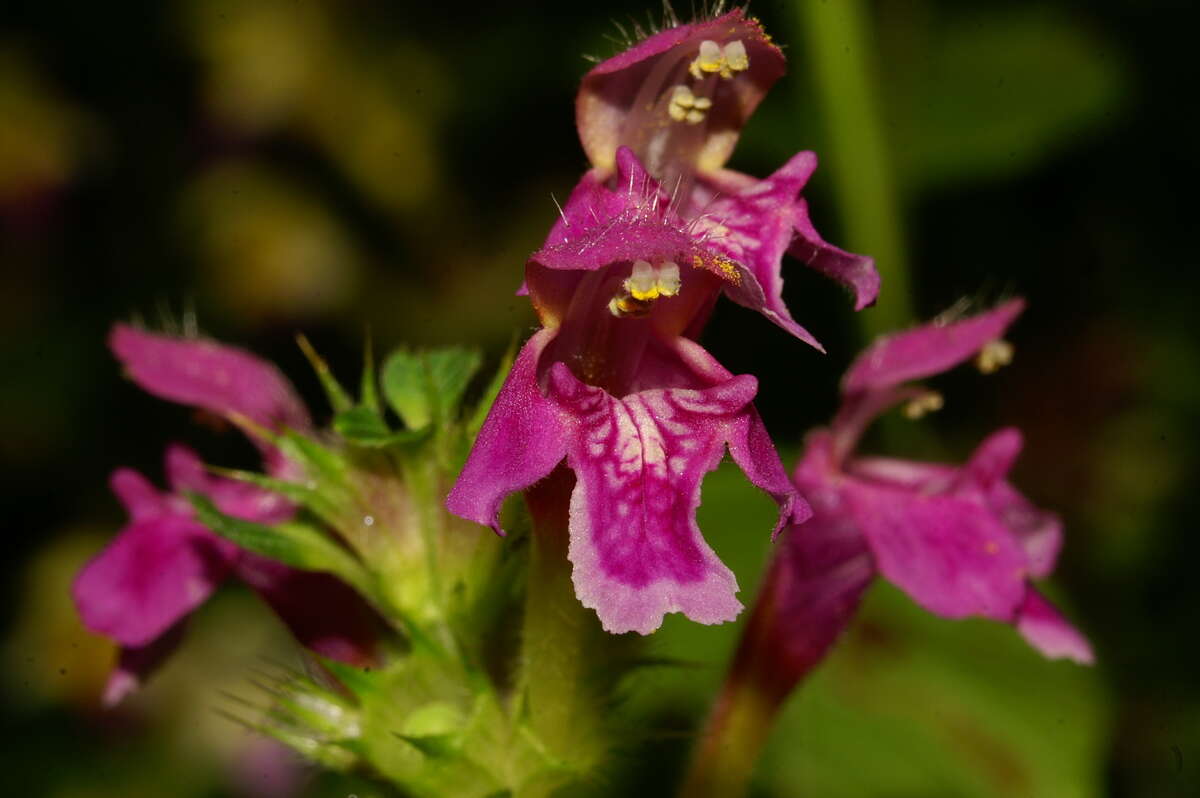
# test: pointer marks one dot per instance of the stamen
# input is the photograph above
(643, 286)
(736, 57)
(669, 281)
(724, 62)
(687, 107)
(710, 59)
(918, 407)
(642, 282)
(994, 356)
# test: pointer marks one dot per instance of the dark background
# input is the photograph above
(262, 167)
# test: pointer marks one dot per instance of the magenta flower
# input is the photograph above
(678, 99)
(960, 540)
(614, 382)
(639, 411)
(164, 563)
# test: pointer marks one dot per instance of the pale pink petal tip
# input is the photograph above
(1044, 628)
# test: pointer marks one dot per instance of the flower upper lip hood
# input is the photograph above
(734, 245)
(729, 62)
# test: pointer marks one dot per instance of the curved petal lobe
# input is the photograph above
(946, 551)
(520, 442)
(639, 461)
(156, 572)
(927, 350)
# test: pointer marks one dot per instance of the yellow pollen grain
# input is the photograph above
(729, 271)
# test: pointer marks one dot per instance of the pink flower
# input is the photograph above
(614, 383)
(959, 539)
(678, 100)
(164, 563)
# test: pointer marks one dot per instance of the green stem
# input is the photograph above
(839, 44)
(567, 661)
(731, 742)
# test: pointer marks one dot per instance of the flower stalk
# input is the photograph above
(839, 43)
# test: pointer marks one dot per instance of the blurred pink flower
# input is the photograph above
(164, 563)
(960, 540)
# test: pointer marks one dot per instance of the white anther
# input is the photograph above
(645, 284)
(994, 356)
(694, 117)
(709, 60)
(642, 281)
(668, 279)
(736, 57)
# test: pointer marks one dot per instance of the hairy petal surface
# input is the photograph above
(739, 245)
(521, 441)
(639, 461)
(624, 100)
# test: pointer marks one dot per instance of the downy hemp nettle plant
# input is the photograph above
(451, 661)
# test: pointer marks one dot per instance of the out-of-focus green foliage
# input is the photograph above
(993, 92)
(274, 165)
(907, 704)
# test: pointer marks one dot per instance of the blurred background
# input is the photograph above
(261, 167)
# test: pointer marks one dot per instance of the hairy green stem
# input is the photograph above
(567, 661)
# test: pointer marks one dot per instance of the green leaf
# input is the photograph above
(434, 729)
(293, 543)
(339, 400)
(950, 707)
(364, 427)
(311, 498)
(427, 387)
(406, 388)
(323, 465)
(361, 425)
(450, 372)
